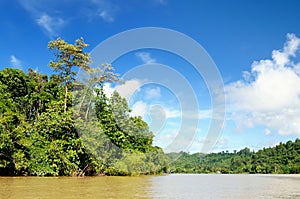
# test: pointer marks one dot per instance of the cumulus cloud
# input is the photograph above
(125, 90)
(15, 62)
(108, 89)
(145, 57)
(166, 138)
(153, 93)
(140, 108)
(269, 94)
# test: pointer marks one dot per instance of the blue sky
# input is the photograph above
(254, 44)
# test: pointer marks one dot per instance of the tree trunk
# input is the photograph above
(88, 109)
(66, 97)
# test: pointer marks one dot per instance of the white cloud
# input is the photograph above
(140, 108)
(15, 62)
(153, 93)
(165, 138)
(105, 9)
(168, 112)
(108, 89)
(40, 10)
(106, 16)
(125, 90)
(145, 57)
(50, 24)
(172, 113)
(267, 132)
(269, 95)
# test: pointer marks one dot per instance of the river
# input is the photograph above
(169, 186)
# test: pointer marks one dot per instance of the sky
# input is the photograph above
(254, 45)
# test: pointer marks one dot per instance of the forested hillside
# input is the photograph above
(283, 158)
(43, 132)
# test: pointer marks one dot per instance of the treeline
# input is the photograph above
(58, 126)
(281, 159)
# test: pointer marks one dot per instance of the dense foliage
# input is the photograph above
(43, 133)
(61, 126)
(283, 158)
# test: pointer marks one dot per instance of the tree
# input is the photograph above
(40, 93)
(68, 56)
(38, 124)
(12, 131)
(84, 95)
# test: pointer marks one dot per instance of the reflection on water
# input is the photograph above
(170, 186)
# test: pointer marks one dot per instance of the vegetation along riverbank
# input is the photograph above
(48, 128)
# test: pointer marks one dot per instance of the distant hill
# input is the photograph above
(283, 158)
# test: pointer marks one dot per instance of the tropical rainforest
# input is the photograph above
(281, 159)
(59, 125)
(48, 128)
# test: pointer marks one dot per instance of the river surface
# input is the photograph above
(170, 186)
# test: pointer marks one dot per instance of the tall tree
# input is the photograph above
(68, 56)
(12, 127)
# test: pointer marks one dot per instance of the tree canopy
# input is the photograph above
(283, 158)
